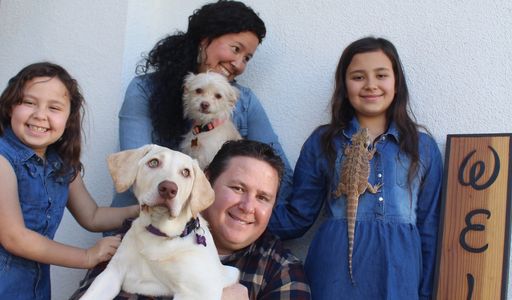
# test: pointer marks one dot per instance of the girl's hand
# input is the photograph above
(102, 251)
(134, 210)
(235, 292)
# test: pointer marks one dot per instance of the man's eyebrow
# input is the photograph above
(264, 193)
(235, 181)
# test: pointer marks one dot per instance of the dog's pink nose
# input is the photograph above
(205, 105)
(167, 189)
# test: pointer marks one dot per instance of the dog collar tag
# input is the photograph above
(193, 143)
(201, 239)
(193, 225)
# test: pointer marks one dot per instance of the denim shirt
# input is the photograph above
(42, 196)
(394, 207)
(136, 129)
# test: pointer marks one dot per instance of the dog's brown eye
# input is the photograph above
(153, 163)
(199, 90)
(185, 172)
(218, 96)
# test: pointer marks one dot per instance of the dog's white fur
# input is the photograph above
(206, 97)
(153, 265)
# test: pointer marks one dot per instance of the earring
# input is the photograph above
(200, 55)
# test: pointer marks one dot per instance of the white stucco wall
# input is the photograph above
(456, 56)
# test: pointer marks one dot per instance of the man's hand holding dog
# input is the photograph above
(235, 292)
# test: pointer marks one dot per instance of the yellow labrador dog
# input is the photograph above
(169, 249)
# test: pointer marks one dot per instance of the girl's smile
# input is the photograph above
(372, 97)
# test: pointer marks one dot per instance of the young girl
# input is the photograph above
(40, 141)
(396, 228)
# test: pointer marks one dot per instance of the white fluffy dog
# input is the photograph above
(168, 249)
(208, 100)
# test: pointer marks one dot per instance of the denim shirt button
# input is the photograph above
(381, 199)
(32, 170)
(56, 165)
(379, 175)
(48, 217)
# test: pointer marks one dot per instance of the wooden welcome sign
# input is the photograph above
(474, 242)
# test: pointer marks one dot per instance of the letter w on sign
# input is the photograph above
(474, 242)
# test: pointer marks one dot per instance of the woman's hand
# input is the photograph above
(235, 292)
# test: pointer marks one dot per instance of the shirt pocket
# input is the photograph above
(241, 124)
(4, 261)
(31, 188)
(402, 164)
(32, 196)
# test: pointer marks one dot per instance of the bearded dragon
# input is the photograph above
(354, 174)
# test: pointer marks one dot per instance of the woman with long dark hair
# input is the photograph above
(221, 37)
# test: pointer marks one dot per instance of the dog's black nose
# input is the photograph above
(205, 105)
(167, 189)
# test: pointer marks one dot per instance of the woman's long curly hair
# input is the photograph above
(399, 111)
(69, 145)
(176, 55)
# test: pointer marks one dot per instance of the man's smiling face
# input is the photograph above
(245, 194)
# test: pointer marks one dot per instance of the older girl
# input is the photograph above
(396, 228)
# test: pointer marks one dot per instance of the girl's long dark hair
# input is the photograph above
(70, 143)
(176, 55)
(399, 111)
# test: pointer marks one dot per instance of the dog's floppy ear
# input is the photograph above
(233, 95)
(186, 80)
(123, 166)
(202, 194)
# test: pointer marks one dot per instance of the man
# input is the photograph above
(245, 176)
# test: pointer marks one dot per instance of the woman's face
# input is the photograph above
(228, 54)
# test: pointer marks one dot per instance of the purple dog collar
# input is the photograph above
(192, 226)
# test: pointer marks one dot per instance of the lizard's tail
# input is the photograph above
(351, 227)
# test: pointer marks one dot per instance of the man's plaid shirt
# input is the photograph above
(270, 271)
(267, 269)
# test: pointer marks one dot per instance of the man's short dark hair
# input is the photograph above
(244, 148)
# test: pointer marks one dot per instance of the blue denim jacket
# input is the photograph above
(396, 229)
(136, 129)
(43, 197)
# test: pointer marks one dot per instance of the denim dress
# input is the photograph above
(396, 229)
(43, 196)
(136, 129)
